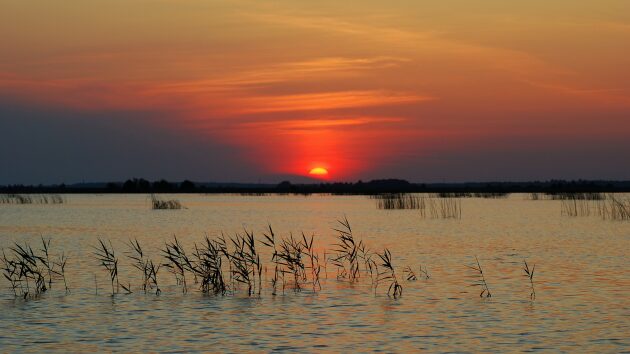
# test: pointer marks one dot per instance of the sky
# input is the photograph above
(259, 91)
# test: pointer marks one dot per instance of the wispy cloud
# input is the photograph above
(324, 123)
(322, 101)
(315, 69)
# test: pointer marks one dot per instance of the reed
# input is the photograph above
(575, 196)
(161, 204)
(208, 266)
(445, 208)
(32, 273)
(270, 241)
(246, 264)
(312, 256)
(614, 208)
(424, 272)
(480, 279)
(10, 198)
(409, 274)
(177, 262)
(529, 273)
(389, 274)
(290, 258)
(107, 258)
(346, 256)
(491, 195)
(398, 201)
(575, 207)
(145, 265)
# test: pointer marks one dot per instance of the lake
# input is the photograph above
(582, 279)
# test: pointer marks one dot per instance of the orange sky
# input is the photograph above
(362, 88)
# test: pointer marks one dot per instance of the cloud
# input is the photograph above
(323, 101)
(313, 69)
(324, 123)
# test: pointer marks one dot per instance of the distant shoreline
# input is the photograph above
(341, 188)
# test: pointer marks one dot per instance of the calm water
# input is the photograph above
(582, 280)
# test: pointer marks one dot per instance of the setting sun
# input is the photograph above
(318, 171)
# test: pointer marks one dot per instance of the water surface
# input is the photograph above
(582, 279)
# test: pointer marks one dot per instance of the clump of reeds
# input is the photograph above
(290, 257)
(31, 199)
(491, 195)
(177, 262)
(146, 266)
(398, 201)
(106, 256)
(575, 207)
(614, 208)
(208, 266)
(574, 196)
(346, 256)
(313, 257)
(444, 208)
(529, 273)
(245, 261)
(161, 204)
(389, 274)
(455, 195)
(480, 279)
(31, 273)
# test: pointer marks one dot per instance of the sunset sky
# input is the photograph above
(249, 91)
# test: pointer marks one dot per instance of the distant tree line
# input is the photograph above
(140, 185)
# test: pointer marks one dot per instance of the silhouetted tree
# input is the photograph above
(187, 186)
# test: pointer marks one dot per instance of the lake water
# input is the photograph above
(582, 279)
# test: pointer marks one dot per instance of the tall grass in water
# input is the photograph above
(389, 274)
(444, 208)
(146, 266)
(106, 256)
(437, 206)
(209, 266)
(607, 206)
(288, 258)
(177, 262)
(575, 196)
(31, 199)
(566, 196)
(575, 207)
(529, 273)
(161, 204)
(614, 208)
(31, 273)
(399, 201)
(346, 256)
(480, 279)
(247, 267)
